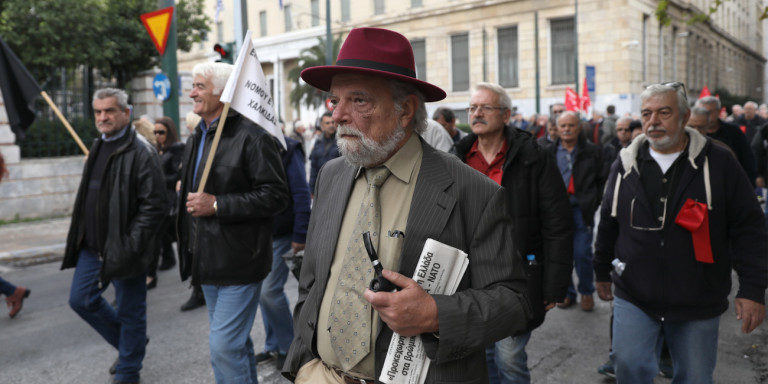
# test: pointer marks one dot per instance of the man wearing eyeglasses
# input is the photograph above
(677, 215)
(538, 206)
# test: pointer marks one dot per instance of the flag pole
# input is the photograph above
(212, 151)
(65, 122)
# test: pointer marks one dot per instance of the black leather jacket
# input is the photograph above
(589, 173)
(234, 246)
(132, 205)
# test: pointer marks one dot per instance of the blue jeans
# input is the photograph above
(582, 255)
(275, 311)
(231, 311)
(6, 288)
(507, 361)
(636, 345)
(125, 327)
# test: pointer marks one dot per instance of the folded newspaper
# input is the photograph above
(439, 271)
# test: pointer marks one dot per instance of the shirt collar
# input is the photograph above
(213, 125)
(117, 136)
(403, 162)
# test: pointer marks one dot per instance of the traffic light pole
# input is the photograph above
(168, 67)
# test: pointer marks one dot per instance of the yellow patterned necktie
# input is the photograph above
(351, 315)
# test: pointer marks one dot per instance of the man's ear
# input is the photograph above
(409, 110)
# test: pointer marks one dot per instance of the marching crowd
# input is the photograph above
(653, 210)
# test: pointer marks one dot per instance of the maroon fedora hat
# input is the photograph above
(377, 52)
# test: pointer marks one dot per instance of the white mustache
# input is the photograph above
(655, 128)
(347, 130)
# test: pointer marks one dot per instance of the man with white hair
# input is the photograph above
(225, 232)
(729, 134)
(402, 191)
(678, 214)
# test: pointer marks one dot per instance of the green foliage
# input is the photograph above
(47, 138)
(192, 25)
(104, 34)
(303, 93)
(47, 34)
(662, 13)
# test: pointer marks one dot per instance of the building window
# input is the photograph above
(563, 51)
(507, 41)
(415, 3)
(288, 18)
(460, 62)
(263, 23)
(315, 12)
(420, 57)
(344, 10)
(378, 7)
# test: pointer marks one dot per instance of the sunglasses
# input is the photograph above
(160, 132)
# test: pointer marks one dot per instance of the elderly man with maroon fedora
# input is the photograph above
(391, 183)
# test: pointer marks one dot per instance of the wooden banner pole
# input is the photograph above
(65, 122)
(214, 145)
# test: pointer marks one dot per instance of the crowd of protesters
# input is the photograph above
(652, 209)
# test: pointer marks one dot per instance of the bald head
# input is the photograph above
(568, 127)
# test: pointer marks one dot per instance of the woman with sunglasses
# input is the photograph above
(170, 150)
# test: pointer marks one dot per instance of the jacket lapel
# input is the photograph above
(430, 208)
(332, 215)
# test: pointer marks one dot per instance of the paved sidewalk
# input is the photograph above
(34, 242)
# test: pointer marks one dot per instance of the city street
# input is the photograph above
(49, 343)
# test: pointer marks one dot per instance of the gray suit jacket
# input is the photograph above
(455, 205)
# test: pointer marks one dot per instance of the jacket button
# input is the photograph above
(664, 180)
(661, 218)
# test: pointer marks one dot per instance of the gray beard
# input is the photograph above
(667, 142)
(366, 152)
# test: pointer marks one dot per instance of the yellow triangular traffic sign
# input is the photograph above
(158, 23)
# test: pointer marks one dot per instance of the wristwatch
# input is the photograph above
(215, 207)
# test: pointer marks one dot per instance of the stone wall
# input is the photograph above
(40, 188)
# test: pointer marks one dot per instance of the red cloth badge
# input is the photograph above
(695, 218)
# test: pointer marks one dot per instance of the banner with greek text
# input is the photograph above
(247, 91)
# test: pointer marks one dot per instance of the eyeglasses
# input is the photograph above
(484, 108)
(677, 85)
(663, 218)
(622, 129)
(160, 133)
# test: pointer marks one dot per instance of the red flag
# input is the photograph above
(585, 101)
(571, 100)
(705, 92)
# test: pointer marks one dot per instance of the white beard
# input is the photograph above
(364, 151)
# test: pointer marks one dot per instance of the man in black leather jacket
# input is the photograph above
(225, 232)
(119, 208)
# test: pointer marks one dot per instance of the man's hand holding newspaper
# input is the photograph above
(409, 311)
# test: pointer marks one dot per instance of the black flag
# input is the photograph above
(19, 90)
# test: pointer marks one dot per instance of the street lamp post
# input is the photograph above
(576, 44)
